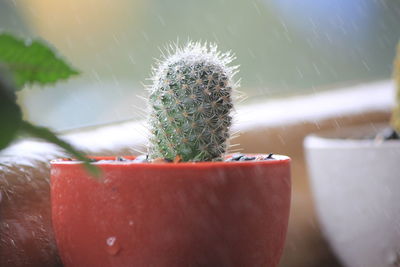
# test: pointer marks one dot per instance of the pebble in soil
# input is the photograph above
(243, 157)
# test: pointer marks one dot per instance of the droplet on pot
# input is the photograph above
(113, 248)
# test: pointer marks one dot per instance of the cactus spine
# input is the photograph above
(395, 120)
(190, 103)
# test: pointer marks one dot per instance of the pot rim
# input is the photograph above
(350, 137)
(316, 141)
(278, 159)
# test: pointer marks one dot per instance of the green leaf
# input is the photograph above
(32, 62)
(10, 113)
(49, 136)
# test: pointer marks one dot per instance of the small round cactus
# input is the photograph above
(190, 103)
(395, 121)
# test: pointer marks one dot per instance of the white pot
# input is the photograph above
(356, 186)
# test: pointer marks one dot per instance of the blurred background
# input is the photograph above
(284, 48)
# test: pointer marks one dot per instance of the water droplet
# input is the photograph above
(130, 223)
(112, 246)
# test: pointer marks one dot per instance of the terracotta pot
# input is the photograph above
(355, 183)
(174, 214)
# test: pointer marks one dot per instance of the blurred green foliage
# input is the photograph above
(26, 63)
(10, 113)
(32, 62)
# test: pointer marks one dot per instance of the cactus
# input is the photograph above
(395, 120)
(190, 103)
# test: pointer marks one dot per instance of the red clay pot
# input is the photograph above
(173, 214)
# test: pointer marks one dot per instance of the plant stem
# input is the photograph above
(48, 135)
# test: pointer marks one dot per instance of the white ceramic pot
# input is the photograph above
(356, 186)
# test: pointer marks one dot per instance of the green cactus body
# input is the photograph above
(395, 120)
(191, 103)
